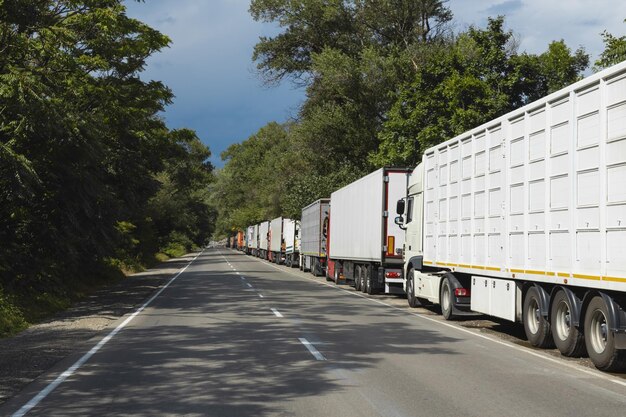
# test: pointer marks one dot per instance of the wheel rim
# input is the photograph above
(445, 302)
(563, 320)
(533, 315)
(598, 331)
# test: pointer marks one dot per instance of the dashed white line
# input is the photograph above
(276, 312)
(261, 296)
(538, 355)
(316, 354)
(249, 285)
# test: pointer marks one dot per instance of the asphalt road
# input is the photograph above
(236, 336)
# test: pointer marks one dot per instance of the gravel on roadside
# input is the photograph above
(29, 354)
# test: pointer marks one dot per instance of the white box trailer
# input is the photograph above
(365, 243)
(277, 244)
(275, 240)
(524, 218)
(250, 239)
(291, 236)
(263, 239)
(314, 236)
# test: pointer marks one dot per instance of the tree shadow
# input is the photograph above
(210, 346)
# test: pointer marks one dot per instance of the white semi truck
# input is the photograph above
(277, 240)
(524, 218)
(291, 236)
(314, 236)
(365, 244)
(263, 240)
(250, 240)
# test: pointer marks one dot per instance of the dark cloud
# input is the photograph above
(168, 20)
(504, 8)
(208, 67)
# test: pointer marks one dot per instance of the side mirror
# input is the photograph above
(400, 207)
(400, 222)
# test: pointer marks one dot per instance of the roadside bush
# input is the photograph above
(11, 318)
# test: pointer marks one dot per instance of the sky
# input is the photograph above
(218, 93)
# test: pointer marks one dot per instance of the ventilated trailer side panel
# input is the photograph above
(313, 228)
(539, 193)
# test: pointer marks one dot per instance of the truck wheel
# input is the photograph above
(599, 338)
(327, 275)
(567, 338)
(336, 277)
(364, 278)
(410, 290)
(446, 300)
(537, 328)
(370, 285)
(357, 278)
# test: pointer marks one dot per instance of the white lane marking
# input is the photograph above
(243, 278)
(249, 285)
(316, 354)
(238, 273)
(260, 295)
(70, 371)
(591, 372)
(276, 312)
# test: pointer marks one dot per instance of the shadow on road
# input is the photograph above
(211, 346)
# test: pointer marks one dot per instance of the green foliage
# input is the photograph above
(385, 79)
(614, 51)
(85, 159)
(252, 187)
(466, 81)
(11, 318)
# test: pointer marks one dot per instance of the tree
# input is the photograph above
(475, 77)
(252, 185)
(614, 51)
(82, 147)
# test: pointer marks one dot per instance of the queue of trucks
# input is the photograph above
(522, 218)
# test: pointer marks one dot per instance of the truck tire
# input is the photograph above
(370, 283)
(536, 326)
(446, 299)
(567, 337)
(315, 268)
(364, 279)
(410, 290)
(357, 278)
(599, 338)
(336, 277)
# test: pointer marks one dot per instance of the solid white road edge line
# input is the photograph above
(597, 374)
(316, 354)
(276, 312)
(69, 371)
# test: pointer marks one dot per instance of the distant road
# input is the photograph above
(236, 336)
